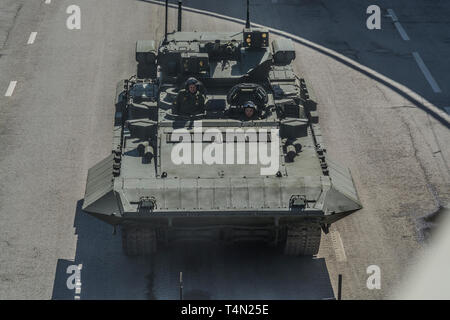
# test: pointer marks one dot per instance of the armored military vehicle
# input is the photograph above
(157, 195)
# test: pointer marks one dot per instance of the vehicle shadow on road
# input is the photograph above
(210, 271)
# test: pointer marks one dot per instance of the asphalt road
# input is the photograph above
(378, 112)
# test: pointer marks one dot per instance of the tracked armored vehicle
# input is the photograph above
(227, 195)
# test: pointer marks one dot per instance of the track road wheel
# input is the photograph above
(302, 241)
(138, 241)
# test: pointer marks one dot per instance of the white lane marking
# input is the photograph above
(426, 73)
(11, 87)
(338, 246)
(392, 15)
(401, 31)
(78, 284)
(397, 25)
(32, 38)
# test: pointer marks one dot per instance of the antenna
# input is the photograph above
(165, 30)
(180, 8)
(247, 23)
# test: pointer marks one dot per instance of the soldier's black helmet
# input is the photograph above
(198, 84)
(191, 80)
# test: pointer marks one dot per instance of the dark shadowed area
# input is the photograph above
(210, 271)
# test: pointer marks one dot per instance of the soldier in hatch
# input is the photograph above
(250, 111)
(190, 100)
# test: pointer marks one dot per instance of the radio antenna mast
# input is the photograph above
(247, 23)
(165, 30)
(180, 8)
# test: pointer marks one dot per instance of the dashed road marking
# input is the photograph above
(78, 284)
(338, 246)
(32, 38)
(78, 288)
(10, 90)
(398, 25)
(392, 15)
(401, 31)
(426, 73)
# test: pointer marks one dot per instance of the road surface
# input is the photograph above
(380, 112)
